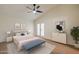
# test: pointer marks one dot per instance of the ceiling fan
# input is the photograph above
(34, 9)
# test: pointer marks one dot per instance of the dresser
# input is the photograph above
(59, 37)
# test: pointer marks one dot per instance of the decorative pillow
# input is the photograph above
(18, 34)
(21, 34)
(19, 37)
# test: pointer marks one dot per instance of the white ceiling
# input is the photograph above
(20, 10)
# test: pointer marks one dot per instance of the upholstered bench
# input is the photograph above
(32, 44)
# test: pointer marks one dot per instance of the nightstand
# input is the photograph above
(9, 39)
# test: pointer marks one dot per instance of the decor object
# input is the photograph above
(17, 26)
(60, 26)
(20, 28)
(34, 9)
(75, 34)
(29, 32)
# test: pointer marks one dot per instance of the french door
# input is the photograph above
(40, 29)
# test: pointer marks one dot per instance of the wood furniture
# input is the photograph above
(59, 37)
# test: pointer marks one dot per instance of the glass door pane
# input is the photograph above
(38, 29)
(42, 29)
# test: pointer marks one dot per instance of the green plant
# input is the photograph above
(75, 34)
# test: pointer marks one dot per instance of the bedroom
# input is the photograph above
(12, 15)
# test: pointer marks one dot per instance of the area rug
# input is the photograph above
(46, 48)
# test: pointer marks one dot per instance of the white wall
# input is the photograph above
(7, 23)
(68, 13)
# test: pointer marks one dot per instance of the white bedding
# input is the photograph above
(21, 40)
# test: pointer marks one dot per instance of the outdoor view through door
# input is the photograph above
(40, 29)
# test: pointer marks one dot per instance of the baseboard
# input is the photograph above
(56, 41)
(72, 46)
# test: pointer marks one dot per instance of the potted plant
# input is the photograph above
(75, 34)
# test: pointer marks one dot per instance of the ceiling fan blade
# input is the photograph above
(29, 11)
(39, 11)
(29, 8)
(37, 7)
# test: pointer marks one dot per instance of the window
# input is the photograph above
(40, 29)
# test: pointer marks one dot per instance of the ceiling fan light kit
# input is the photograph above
(34, 12)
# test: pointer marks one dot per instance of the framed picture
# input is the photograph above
(60, 26)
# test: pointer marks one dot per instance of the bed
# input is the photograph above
(27, 42)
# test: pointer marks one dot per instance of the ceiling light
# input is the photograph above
(34, 12)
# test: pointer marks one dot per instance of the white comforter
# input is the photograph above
(21, 40)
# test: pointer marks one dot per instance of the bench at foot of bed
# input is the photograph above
(33, 44)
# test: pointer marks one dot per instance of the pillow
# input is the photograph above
(18, 34)
(19, 37)
(21, 34)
